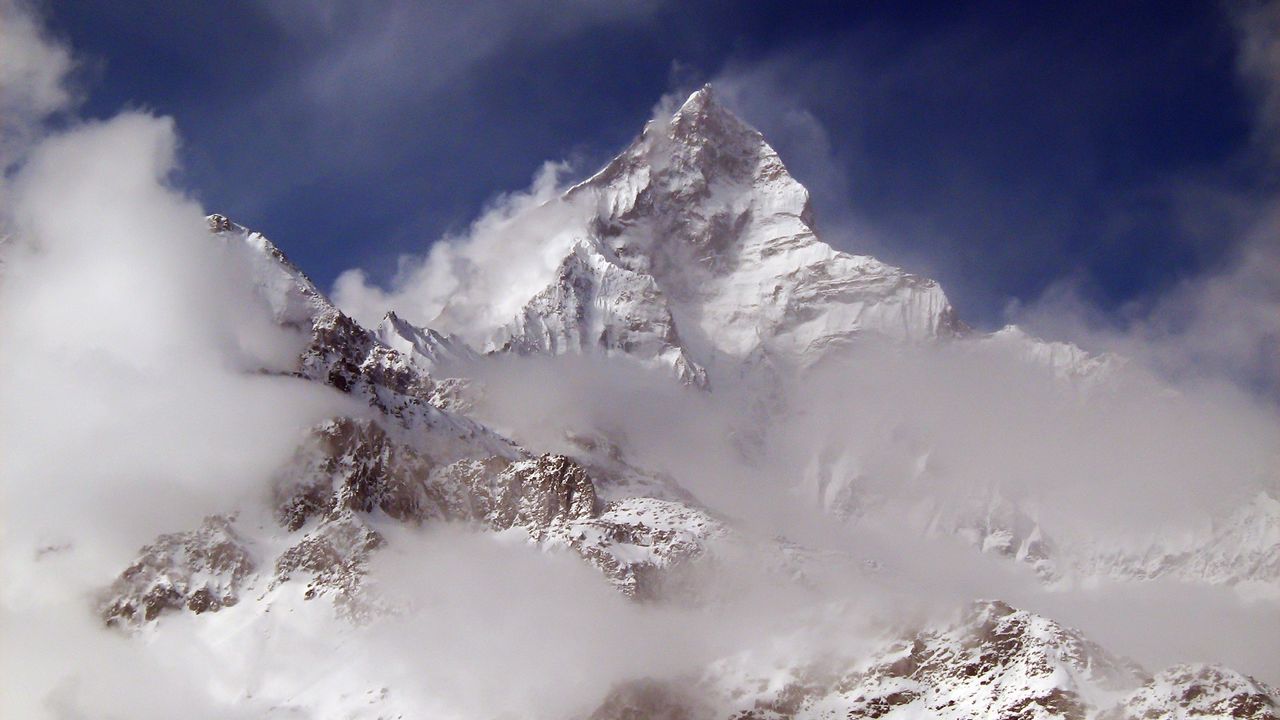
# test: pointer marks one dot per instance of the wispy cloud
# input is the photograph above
(35, 73)
(1258, 31)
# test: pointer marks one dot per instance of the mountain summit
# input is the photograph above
(699, 251)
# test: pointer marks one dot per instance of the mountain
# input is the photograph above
(698, 258)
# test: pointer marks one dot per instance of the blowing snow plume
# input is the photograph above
(664, 453)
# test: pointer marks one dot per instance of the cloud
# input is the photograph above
(1224, 322)
(941, 435)
(135, 337)
(140, 381)
(34, 72)
(1221, 326)
(473, 283)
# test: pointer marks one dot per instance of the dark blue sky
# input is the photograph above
(999, 147)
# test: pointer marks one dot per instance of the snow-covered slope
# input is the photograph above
(1241, 549)
(1184, 692)
(594, 304)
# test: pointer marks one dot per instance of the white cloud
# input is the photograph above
(34, 71)
(1224, 323)
(473, 283)
(131, 342)
(132, 405)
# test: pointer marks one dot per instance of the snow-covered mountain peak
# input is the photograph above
(703, 103)
(705, 135)
(695, 175)
(699, 221)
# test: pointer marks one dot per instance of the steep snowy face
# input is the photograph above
(594, 303)
(997, 662)
(707, 207)
(700, 251)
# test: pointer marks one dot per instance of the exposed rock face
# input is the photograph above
(353, 466)
(535, 494)
(203, 570)
(352, 472)
(356, 466)
(551, 497)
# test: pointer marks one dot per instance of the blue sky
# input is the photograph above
(1004, 148)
